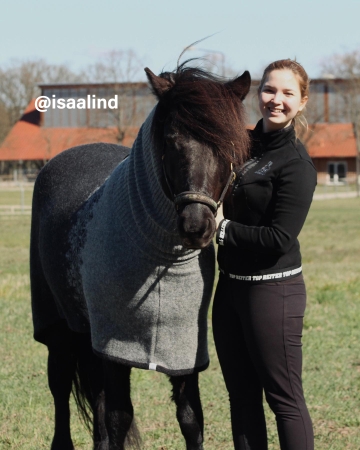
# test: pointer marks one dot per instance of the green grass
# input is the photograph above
(13, 196)
(333, 189)
(331, 258)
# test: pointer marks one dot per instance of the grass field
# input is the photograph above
(331, 258)
(13, 196)
(334, 189)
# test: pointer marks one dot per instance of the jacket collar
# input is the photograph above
(273, 139)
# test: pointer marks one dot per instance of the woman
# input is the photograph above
(260, 298)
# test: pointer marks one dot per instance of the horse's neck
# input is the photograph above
(143, 180)
(139, 202)
(145, 173)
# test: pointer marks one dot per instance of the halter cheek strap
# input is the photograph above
(198, 197)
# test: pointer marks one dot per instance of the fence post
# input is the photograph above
(22, 197)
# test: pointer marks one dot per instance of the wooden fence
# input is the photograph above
(14, 210)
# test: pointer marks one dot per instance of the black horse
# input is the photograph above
(121, 258)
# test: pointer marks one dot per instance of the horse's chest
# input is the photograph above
(142, 311)
(143, 308)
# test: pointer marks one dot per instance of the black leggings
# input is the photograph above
(257, 331)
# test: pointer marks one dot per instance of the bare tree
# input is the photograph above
(4, 121)
(115, 66)
(124, 69)
(19, 84)
(216, 63)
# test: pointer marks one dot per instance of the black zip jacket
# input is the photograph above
(267, 208)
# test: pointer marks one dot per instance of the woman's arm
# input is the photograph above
(293, 193)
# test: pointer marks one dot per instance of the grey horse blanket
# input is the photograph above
(147, 296)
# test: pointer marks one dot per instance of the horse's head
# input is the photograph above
(199, 125)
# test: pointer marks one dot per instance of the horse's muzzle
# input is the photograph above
(196, 225)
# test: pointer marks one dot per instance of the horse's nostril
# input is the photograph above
(197, 226)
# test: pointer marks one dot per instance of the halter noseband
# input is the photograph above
(198, 197)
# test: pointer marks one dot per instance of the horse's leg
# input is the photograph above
(100, 433)
(61, 369)
(186, 396)
(119, 412)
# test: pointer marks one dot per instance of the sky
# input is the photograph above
(249, 34)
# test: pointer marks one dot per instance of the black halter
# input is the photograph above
(198, 197)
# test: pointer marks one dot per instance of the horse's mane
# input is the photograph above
(207, 108)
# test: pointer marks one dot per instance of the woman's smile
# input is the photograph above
(280, 99)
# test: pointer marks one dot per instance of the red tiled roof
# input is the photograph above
(334, 140)
(29, 141)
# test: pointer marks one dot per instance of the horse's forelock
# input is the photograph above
(208, 109)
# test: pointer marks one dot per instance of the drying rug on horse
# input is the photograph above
(147, 296)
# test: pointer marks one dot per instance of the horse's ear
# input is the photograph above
(241, 85)
(159, 85)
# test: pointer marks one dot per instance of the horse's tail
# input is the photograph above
(87, 385)
(88, 391)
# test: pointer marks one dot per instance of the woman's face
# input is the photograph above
(280, 99)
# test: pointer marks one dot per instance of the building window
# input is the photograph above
(337, 171)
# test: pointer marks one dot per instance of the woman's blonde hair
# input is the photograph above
(299, 122)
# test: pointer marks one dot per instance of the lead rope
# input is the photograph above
(229, 183)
